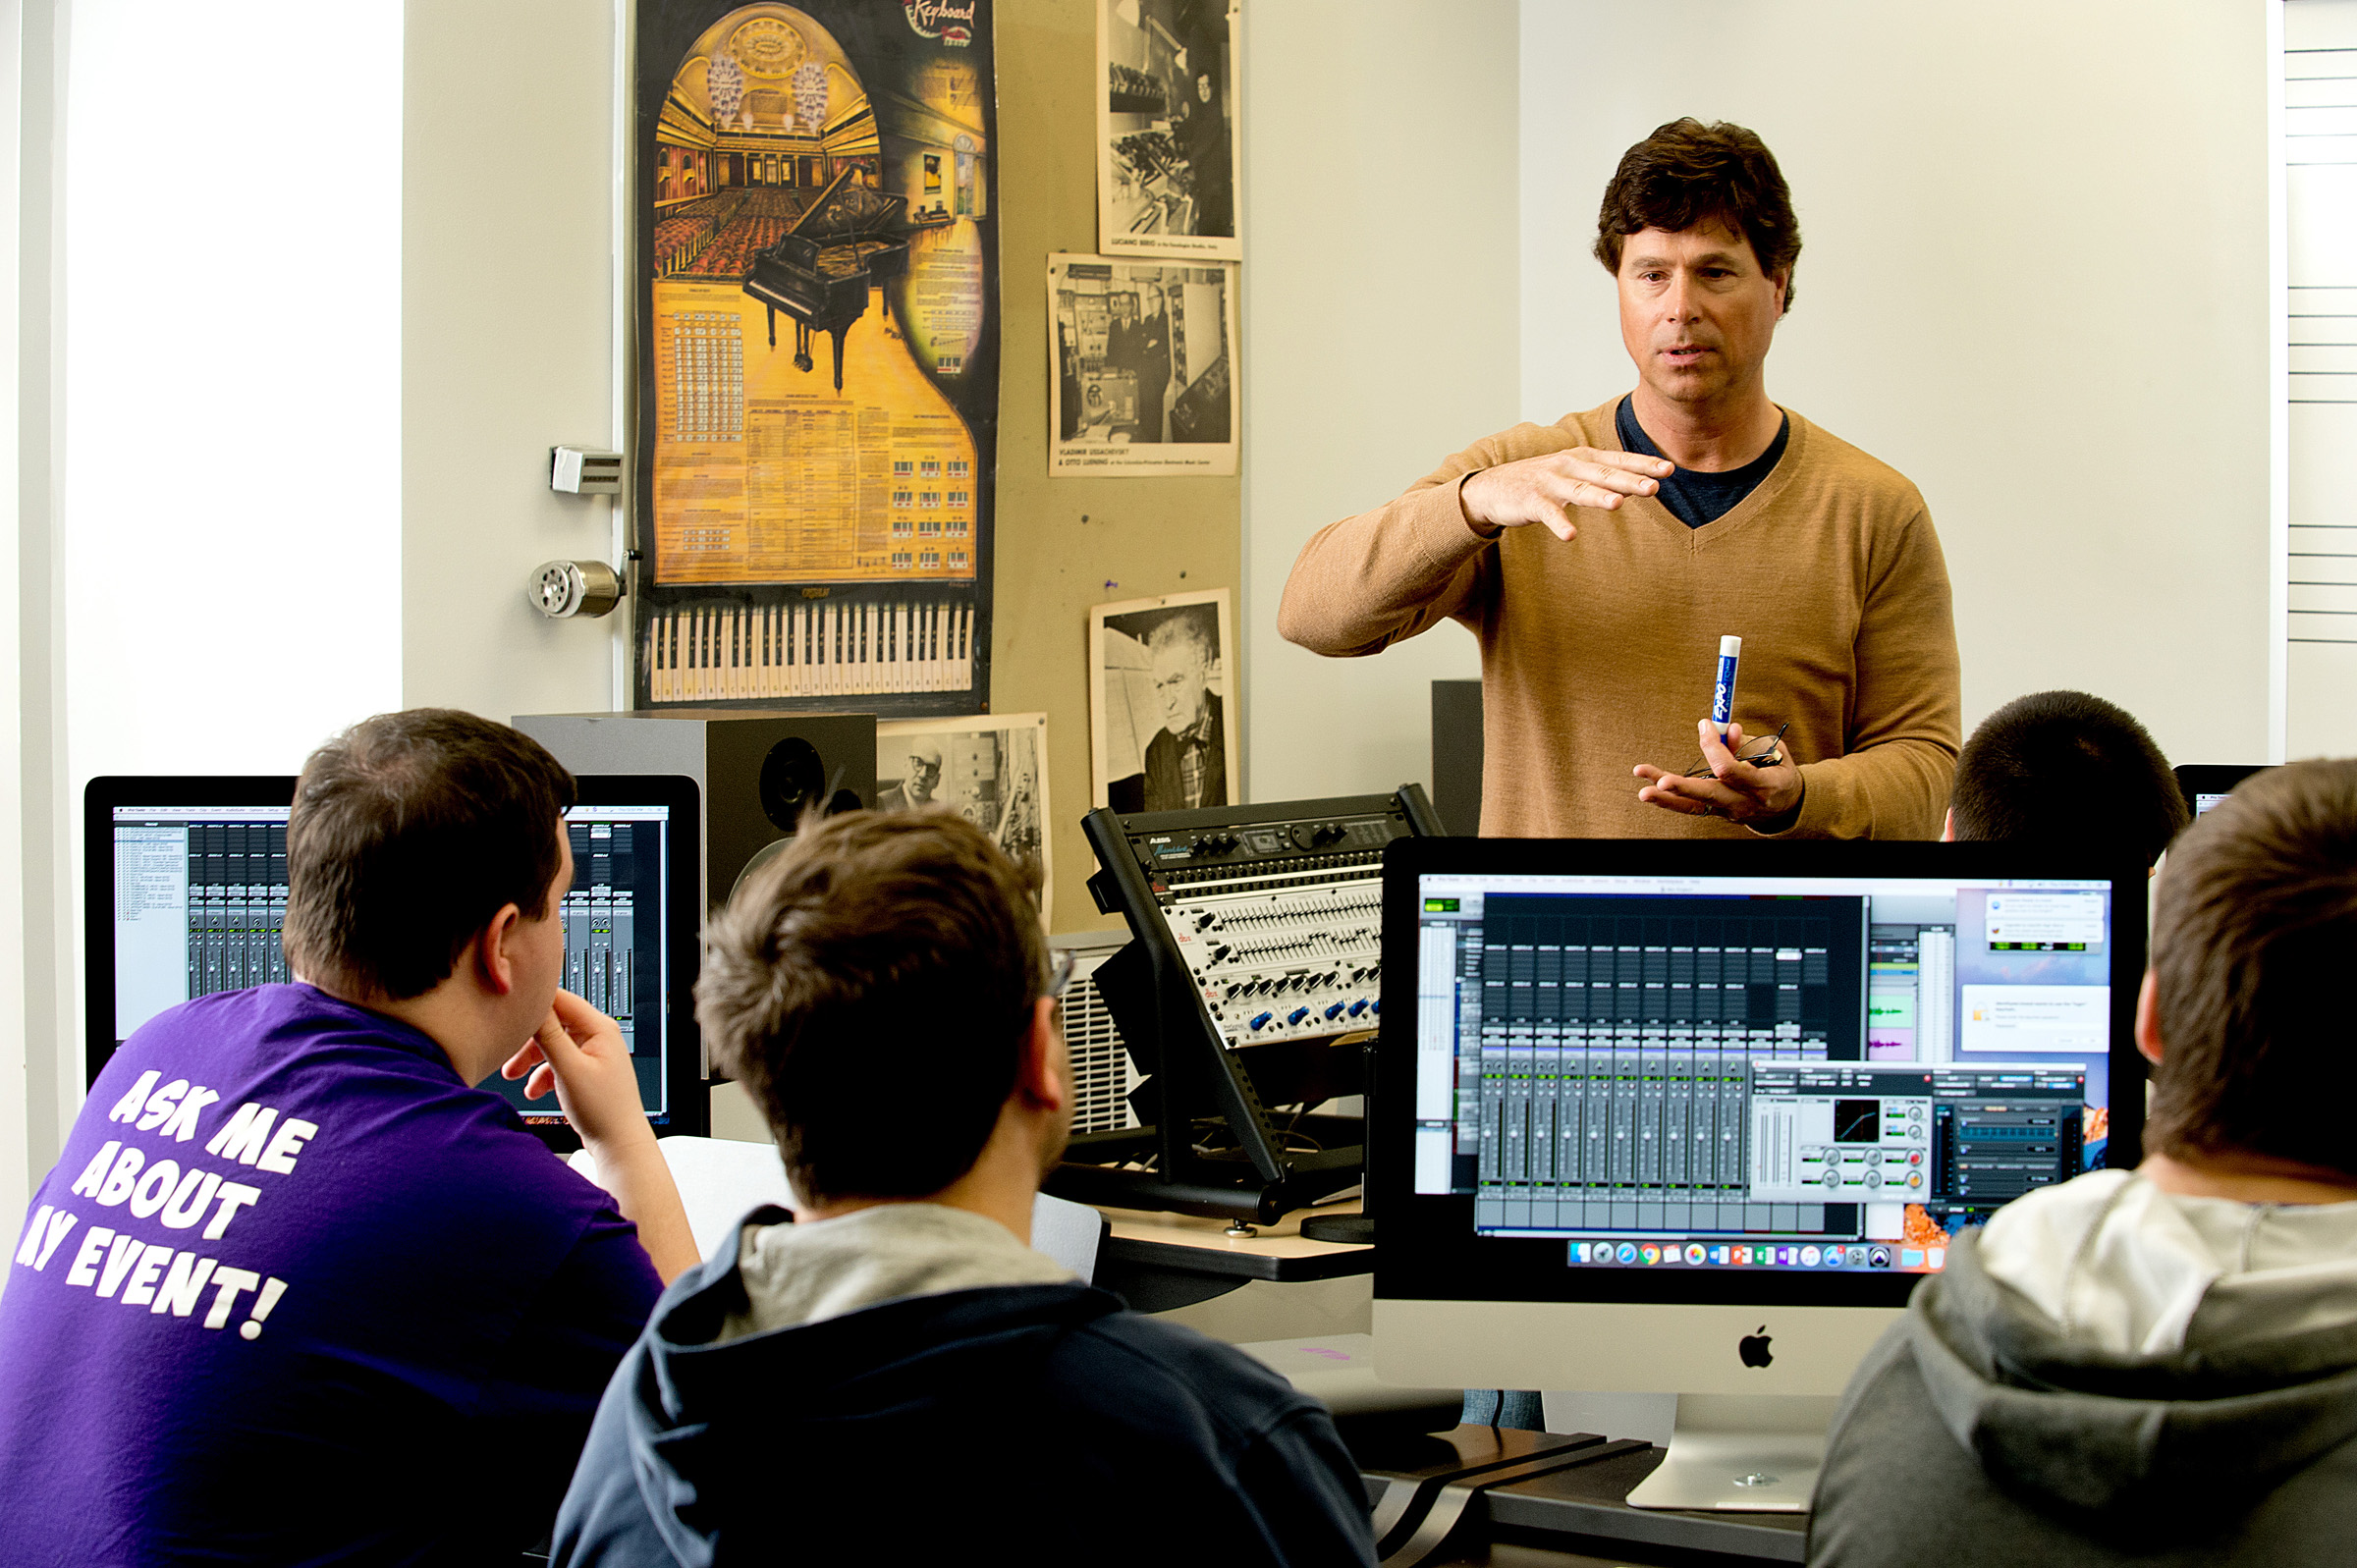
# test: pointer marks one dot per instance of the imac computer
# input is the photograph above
(2205, 784)
(184, 887)
(1695, 1118)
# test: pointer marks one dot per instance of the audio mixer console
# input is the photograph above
(1254, 972)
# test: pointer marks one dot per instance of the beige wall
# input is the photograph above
(1067, 544)
(1380, 335)
(2034, 281)
(507, 345)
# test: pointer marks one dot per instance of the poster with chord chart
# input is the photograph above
(817, 348)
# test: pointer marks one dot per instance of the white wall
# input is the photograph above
(1380, 333)
(507, 345)
(229, 524)
(2034, 280)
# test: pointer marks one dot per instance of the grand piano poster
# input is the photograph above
(817, 353)
(1141, 367)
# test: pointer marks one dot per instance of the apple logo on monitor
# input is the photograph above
(1753, 1348)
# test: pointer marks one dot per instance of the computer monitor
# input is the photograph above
(185, 890)
(1695, 1118)
(2206, 783)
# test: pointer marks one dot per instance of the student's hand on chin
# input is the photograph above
(579, 1053)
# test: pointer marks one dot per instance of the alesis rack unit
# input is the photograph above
(1252, 980)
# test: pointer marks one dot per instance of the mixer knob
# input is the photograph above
(1261, 1020)
(1333, 1012)
(1299, 1013)
(1203, 921)
(1358, 1006)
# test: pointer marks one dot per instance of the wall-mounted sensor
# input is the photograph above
(564, 589)
(579, 471)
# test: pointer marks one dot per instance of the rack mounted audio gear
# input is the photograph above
(1253, 979)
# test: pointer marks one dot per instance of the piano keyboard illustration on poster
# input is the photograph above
(744, 653)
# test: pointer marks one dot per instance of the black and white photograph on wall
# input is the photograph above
(1162, 736)
(1167, 127)
(1141, 367)
(991, 770)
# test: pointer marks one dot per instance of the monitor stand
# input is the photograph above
(1741, 1453)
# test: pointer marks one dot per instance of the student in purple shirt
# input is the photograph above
(296, 1291)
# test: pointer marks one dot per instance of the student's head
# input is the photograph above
(1179, 648)
(2065, 768)
(2254, 937)
(413, 833)
(877, 989)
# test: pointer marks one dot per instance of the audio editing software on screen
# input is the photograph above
(200, 903)
(1832, 1077)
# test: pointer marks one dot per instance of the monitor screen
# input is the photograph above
(2205, 784)
(187, 895)
(1719, 1074)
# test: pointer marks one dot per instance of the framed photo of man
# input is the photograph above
(1167, 127)
(1162, 733)
(992, 770)
(1141, 367)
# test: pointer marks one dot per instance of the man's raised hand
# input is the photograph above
(1546, 489)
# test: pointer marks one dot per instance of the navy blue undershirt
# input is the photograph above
(1695, 498)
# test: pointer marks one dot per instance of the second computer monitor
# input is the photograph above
(1694, 1118)
(185, 885)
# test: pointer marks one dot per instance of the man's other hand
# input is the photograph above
(1545, 489)
(579, 1053)
(1765, 799)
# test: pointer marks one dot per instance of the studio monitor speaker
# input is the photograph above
(758, 772)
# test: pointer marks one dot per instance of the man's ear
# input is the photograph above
(2148, 1020)
(1042, 1077)
(491, 952)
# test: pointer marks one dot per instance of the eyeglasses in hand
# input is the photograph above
(1768, 753)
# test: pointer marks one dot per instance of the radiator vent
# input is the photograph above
(1102, 1076)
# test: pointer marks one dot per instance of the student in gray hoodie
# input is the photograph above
(2157, 1366)
(890, 1373)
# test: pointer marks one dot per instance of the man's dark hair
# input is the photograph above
(410, 831)
(2066, 768)
(2254, 937)
(872, 987)
(1688, 173)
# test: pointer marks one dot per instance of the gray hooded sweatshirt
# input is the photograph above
(2109, 1373)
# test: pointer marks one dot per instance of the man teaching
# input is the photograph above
(1690, 509)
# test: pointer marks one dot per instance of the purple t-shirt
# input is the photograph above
(296, 1293)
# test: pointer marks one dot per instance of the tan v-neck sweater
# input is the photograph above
(1600, 654)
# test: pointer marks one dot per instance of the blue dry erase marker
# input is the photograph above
(1723, 695)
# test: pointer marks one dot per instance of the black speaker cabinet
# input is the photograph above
(758, 772)
(1457, 755)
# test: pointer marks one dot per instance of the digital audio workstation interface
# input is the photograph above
(1786, 1072)
(201, 904)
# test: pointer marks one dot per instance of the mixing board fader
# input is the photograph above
(1280, 944)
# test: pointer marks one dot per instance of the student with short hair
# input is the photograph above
(2156, 1365)
(2065, 767)
(890, 1373)
(297, 1290)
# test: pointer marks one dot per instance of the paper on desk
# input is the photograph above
(722, 1179)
